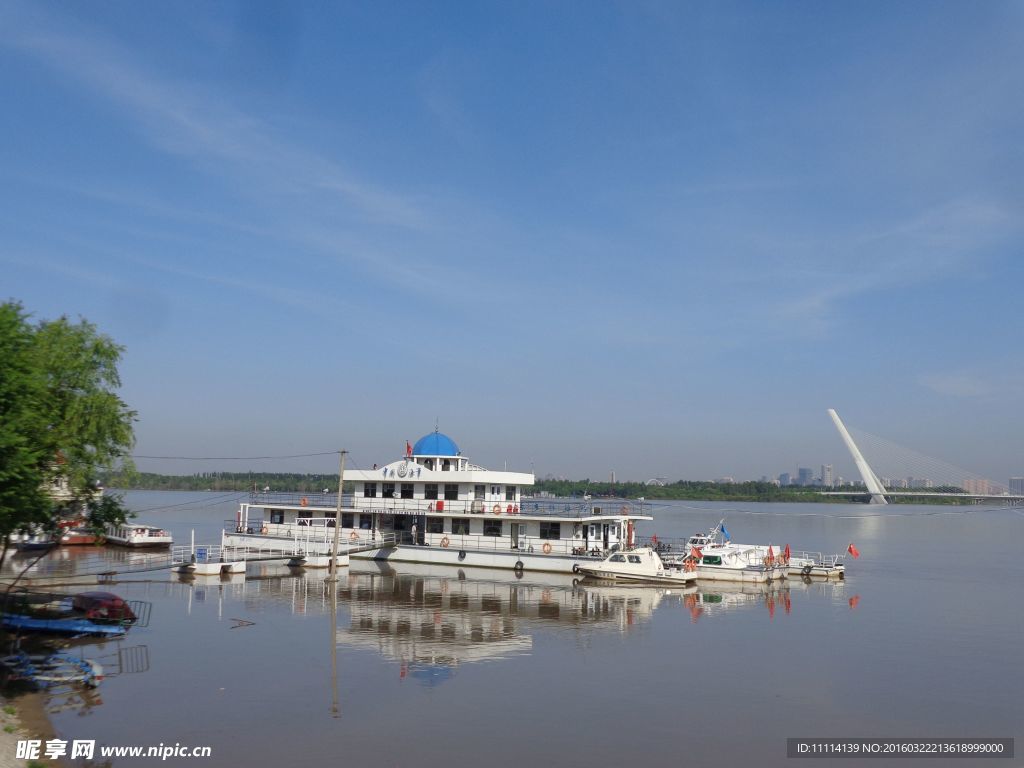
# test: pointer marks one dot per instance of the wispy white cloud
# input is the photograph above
(958, 384)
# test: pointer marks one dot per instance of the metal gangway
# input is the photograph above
(218, 558)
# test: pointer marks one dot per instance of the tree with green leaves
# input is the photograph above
(62, 423)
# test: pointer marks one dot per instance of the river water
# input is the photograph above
(435, 666)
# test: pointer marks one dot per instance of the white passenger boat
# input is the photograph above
(434, 506)
(734, 562)
(138, 535)
(641, 565)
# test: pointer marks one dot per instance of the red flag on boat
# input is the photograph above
(853, 551)
(787, 553)
(771, 554)
(408, 448)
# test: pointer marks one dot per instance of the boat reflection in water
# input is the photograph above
(711, 598)
(432, 619)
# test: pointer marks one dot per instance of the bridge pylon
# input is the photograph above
(867, 474)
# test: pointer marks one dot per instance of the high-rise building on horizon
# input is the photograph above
(804, 476)
(826, 475)
(1017, 486)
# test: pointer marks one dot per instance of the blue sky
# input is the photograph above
(655, 238)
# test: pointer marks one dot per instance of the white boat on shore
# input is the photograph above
(138, 536)
(640, 565)
(434, 506)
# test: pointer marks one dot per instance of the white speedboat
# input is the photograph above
(796, 563)
(138, 535)
(642, 565)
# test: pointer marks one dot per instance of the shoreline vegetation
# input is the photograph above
(681, 490)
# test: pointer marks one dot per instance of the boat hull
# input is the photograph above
(751, 574)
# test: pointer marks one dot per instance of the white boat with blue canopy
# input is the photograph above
(433, 505)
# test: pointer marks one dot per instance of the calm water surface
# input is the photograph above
(440, 666)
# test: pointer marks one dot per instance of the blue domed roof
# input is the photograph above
(435, 444)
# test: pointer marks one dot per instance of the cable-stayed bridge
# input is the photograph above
(889, 470)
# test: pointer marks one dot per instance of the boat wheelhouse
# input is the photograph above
(434, 506)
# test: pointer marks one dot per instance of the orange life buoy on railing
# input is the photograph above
(546, 548)
(496, 509)
(304, 501)
(263, 529)
(353, 536)
(623, 510)
(508, 510)
(515, 510)
(444, 542)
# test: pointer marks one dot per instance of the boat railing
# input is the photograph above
(570, 508)
(819, 558)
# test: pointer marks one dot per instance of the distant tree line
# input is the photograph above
(222, 481)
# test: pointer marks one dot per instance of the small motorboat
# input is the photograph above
(639, 565)
(72, 537)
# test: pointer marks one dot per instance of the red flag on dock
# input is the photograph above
(853, 551)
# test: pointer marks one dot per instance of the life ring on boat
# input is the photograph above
(263, 529)
(546, 549)
(515, 509)
(304, 501)
(623, 510)
(508, 510)
(353, 536)
(496, 509)
(445, 542)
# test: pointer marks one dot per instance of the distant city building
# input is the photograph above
(826, 475)
(977, 485)
(785, 479)
(1017, 486)
(804, 476)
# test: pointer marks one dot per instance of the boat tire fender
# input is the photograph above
(576, 568)
(462, 555)
(519, 565)
(807, 570)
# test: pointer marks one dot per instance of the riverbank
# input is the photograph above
(23, 716)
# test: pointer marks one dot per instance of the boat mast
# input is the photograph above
(333, 565)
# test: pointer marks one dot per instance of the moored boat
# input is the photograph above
(138, 535)
(640, 565)
(808, 564)
(434, 506)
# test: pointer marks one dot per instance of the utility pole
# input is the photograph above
(333, 565)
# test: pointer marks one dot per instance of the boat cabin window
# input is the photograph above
(407, 491)
(510, 493)
(388, 491)
(492, 527)
(451, 491)
(634, 558)
(712, 560)
(365, 521)
(496, 491)
(277, 516)
(435, 525)
(446, 466)
(369, 490)
(460, 526)
(478, 491)
(618, 559)
(550, 530)
(347, 520)
(430, 491)
(428, 463)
